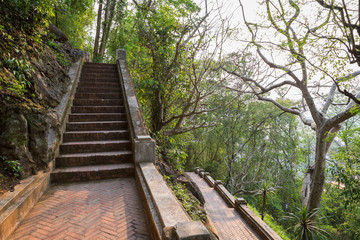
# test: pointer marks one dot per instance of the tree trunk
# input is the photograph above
(107, 29)
(98, 27)
(263, 205)
(109, 13)
(156, 112)
(317, 175)
(314, 180)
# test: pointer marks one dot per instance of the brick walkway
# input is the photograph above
(106, 209)
(228, 223)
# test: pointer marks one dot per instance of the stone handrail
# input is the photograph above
(143, 144)
(240, 205)
(64, 108)
(167, 219)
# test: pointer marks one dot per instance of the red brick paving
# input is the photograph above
(228, 223)
(106, 209)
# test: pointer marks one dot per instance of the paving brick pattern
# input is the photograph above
(228, 223)
(106, 209)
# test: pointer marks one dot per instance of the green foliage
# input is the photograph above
(173, 150)
(163, 64)
(339, 220)
(191, 205)
(249, 144)
(346, 167)
(53, 45)
(25, 15)
(269, 220)
(304, 224)
(75, 18)
(12, 167)
(59, 56)
(21, 70)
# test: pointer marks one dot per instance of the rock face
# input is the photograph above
(29, 129)
(50, 79)
(24, 137)
(59, 35)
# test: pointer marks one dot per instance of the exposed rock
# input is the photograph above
(43, 134)
(25, 138)
(14, 139)
(192, 187)
(50, 80)
(29, 127)
(165, 169)
(74, 54)
(169, 233)
(60, 36)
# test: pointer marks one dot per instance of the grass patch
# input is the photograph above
(269, 220)
(190, 203)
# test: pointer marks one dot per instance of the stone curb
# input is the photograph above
(16, 205)
(169, 220)
(240, 206)
(64, 108)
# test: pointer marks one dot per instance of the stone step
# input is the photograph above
(99, 75)
(89, 71)
(99, 69)
(90, 80)
(91, 117)
(97, 109)
(98, 90)
(91, 173)
(97, 102)
(86, 159)
(98, 65)
(96, 126)
(98, 95)
(95, 146)
(99, 84)
(95, 135)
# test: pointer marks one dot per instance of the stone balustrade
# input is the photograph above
(240, 205)
(168, 220)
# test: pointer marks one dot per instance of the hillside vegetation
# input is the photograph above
(33, 79)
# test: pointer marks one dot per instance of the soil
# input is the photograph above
(7, 183)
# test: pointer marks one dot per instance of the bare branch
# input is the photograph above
(174, 132)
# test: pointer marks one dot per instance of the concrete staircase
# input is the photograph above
(96, 142)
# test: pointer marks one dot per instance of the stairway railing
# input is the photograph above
(240, 205)
(167, 218)
(143, 144)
